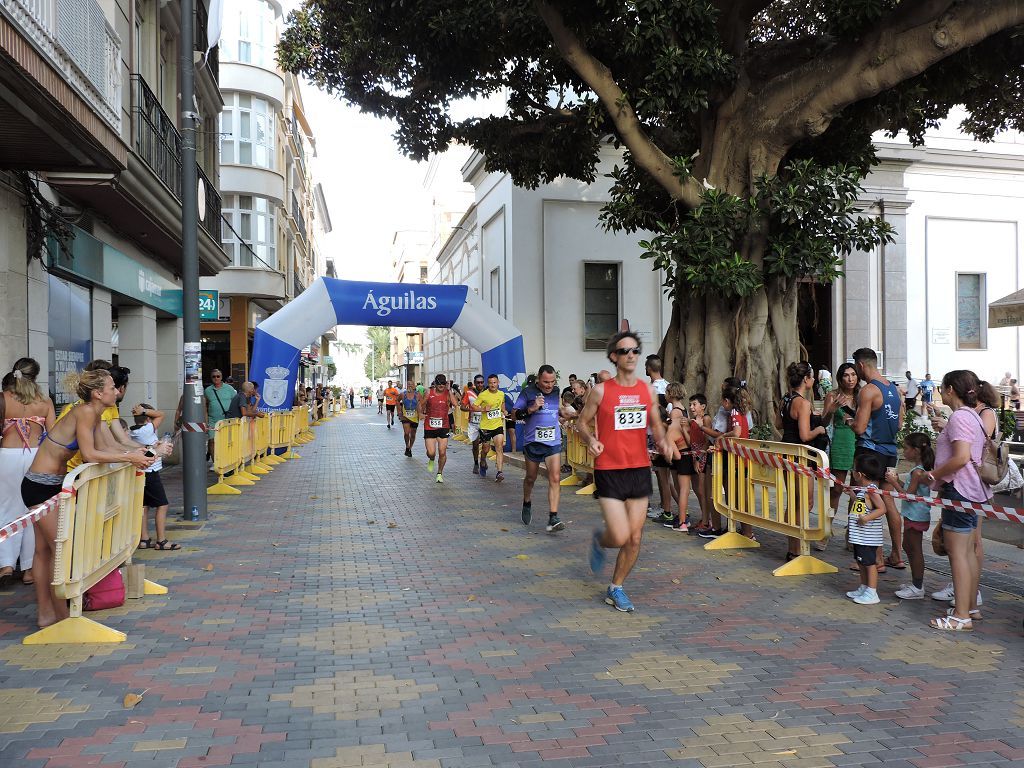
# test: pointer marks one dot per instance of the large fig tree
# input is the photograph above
(745, 125)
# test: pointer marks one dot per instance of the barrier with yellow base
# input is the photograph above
(750, 484)
(99, 520)
(281, 433)
(461, 431)
(578, 457)
(227, 457)
(261, 442)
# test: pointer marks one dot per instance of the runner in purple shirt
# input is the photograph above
(541, 406)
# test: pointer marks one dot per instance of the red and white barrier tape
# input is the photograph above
(22, 523)
(995, 511)
(193, 426)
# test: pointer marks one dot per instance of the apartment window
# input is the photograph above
(247, 131)
(970, 311)
(600, 304)
(250, 33)
(496, 289)
(423, 273)
(253, 219)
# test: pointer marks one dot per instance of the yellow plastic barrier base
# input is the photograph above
(290, 455)
(571, 480)
(75, 630)
(256, 469)
(245, 474)
(221, 488)
(805, 565)
(152, 588)
(732, 540)
(587, 490)
(237, 479)
(273, 458)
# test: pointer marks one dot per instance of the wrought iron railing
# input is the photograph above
(211, 221)
(300, 220)
(156, 139)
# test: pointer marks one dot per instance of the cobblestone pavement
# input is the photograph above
(348, 611)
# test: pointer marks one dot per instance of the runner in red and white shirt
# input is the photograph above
(434, 408)
(473, 428)
(624, 407)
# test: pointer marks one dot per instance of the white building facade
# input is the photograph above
(541, 259)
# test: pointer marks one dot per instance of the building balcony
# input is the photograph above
(249, 78)
(298, 218)
(252, 180)
(60, 87)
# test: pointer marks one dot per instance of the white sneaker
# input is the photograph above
(910, 592)
(854, 594)
(867, 597)
(946, 593)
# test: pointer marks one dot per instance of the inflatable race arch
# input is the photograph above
(329, 302)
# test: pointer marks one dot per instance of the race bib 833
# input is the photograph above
(630, 417)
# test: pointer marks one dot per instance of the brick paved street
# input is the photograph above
(348, 611)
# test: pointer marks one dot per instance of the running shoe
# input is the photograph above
(476, 468)
(867, 597)
(712, 533)
(597, 554)
(430, 466)
(554, 524)
(617, 597)
(946, 593)
(653, 514)
(681, 527)
(527, 512)
(910, 592)
(483, 469)
(408, 452)
(856, 592)
(672, 523)
(665, 518)
(440, 479)
(499, 477)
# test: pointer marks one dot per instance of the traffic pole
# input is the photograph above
(193, 443)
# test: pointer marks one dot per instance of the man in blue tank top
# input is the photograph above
(878, 419)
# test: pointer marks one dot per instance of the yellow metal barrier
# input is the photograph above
(745, 489)
(250, 468)
(227, 459)
(578, 457)
(98, 526)
(282, 435)
(261, 443)
(305, 432)
(461, 431)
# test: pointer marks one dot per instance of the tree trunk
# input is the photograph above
(753, 338)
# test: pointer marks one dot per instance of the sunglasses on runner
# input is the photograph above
(627, 350)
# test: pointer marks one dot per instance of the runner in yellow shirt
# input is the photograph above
(491, 404)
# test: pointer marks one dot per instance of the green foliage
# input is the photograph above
(761, 432)
(914, 425)
(378, 360)
(1007, 423)
(682, 66)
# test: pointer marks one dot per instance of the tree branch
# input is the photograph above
(598, 77)
(735, 18)
(910, 40)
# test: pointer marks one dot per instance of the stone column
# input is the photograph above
(170, 374)
(137, 351)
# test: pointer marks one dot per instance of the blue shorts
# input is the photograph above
(956, 520)
(538, 452)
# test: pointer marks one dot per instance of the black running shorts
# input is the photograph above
(623, 484)
(436, 434)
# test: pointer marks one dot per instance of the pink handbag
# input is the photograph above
(108, 592)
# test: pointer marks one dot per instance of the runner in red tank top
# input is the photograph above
(624, 408)
(434, 417)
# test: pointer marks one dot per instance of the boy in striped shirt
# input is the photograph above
(866, 525)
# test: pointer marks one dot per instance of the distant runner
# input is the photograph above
(434, 413)
(409, 415)
(391, 396)
(473, 428)
(540, 405)
(491, 404)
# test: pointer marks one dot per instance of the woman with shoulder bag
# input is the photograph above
(958, 453)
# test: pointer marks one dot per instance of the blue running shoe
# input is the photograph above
(596, 551)
(617, 597)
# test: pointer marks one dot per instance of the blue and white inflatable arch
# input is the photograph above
(329, 302)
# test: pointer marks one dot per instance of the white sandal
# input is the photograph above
(952, 624)
(974, 612)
